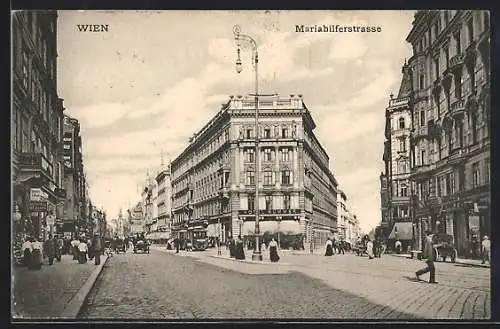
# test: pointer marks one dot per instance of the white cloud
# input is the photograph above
(100, 114)
(347, 47)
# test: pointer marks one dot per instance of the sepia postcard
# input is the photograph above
(261, 164)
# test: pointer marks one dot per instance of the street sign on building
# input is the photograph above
(35, 194)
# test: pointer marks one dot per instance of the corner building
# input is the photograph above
(395, 184)
(450, 149)
(213, 179)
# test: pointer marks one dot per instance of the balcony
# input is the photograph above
(457, 156)
(224, 191)
(456, 62)
(420, 132)
(457, 108)
(35, 163)
(426, 169)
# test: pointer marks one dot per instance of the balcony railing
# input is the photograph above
(457, 155)
(457, 107)
(423, 169)
(456, 62)
(420, 132)
(35, 162)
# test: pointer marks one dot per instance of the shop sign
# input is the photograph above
(35, 194)
(38, 206)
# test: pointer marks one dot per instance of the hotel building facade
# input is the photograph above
(450, 138)
(213, 179)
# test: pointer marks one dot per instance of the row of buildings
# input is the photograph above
(50, 192)
(212, 182)
(437, 136)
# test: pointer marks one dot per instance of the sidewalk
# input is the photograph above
(53, 290)
(470, 262)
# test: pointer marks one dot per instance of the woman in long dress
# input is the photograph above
(273, 251)
(240, 252)
(329, 247)
(36, 255)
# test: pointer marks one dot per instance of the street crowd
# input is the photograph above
(82, 248)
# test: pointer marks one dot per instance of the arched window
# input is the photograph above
(401, 123)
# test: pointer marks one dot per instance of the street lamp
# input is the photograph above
(249, 40)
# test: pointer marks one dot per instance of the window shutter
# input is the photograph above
(291, 177)
(273, 178)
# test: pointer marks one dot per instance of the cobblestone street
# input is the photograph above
(166, 286)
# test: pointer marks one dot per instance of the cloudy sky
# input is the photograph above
(156, 77)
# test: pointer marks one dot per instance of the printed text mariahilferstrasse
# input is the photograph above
(337, 28)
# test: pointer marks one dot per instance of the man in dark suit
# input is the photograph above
(428, 254)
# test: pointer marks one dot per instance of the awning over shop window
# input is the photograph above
(285, 226)
(402, 231)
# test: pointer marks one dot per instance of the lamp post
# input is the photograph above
(249, 40)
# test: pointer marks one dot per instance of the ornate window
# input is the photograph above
(401, 123)
(285, 155)
(250, 155)
(267, 154)
(268, 177)
(286, 201)
(250, 177)
(251, 202)
(269, 202)
(286, 177)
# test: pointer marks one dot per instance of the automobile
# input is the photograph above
(444, 247)
(141, 245)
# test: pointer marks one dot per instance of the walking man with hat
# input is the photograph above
(429, 259)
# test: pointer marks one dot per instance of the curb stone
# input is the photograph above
(457, 261)
(74, 306)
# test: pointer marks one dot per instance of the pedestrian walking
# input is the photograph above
(217, 242)
(232, 247)
(311, 247)
(98, 247)
(49, 249)
(74, 247)
(59, 250)
(273, 251)
(428, 255)
(329, 247)
(486, 249)
(90, 249)
(369, 247)
(82, 252)
(35, 262)
(27, 247)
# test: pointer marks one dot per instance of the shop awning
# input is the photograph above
(402, 231)
(285, 226)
